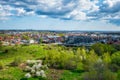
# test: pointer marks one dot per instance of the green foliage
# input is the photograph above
(106, 58)
(64, 59)
(16, 61)
(41, 40)
(97, 68)
(116, 58)
(117, 47)
(80, 66)
(35, 78)
(99, 71)
(70, 58)
(94, 75)
(25, 37)
(81, 54)
(91, 59)
(70, 75)
(1, 65)
(118, 75)
(108, 75)
(61, 34)
(23, 79)
(100, 48)
(12, 73)
(115, 63)
(0, 43)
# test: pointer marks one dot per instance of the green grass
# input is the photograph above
(22, 52)
(70, 75)
(11, 73)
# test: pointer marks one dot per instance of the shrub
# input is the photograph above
(1, 65)
(94, 75)
(118, 75)
(116, 58)
(70, 65)
(6, 51)
(42, 78)
(16, 62)
(79, 66)
(102, 48)
(23, 79)
(115, 63)
(27, 75)
(114, 67)
(36, 70)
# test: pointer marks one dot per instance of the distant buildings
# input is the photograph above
(67, 38)
(85, 39)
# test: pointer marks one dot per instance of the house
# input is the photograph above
(31, 41)
(1, 38)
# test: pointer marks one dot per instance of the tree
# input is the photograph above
(116, 58)
(0, 43)
(97, 68)
(96, 75)
(81, 54)
(25, 37)
(115, 61)
(117, 47)
(100, 48)
(41, 40)
(106, 58)
(91, 59)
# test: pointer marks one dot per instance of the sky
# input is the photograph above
(100, 15)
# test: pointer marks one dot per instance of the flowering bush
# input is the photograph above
(35, 68)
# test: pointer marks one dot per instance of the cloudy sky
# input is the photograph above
(60, 14)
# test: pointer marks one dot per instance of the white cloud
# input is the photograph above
(111, 3)
(5, 12)
(63, 9)
(20, 11)
(78, 15)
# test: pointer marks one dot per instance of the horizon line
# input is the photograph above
(57, 30)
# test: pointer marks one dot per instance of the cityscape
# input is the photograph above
(72, 38)
(59, 39)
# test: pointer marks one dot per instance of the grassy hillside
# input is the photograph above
(65, 63)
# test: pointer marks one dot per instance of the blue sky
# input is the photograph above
(60, 14)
